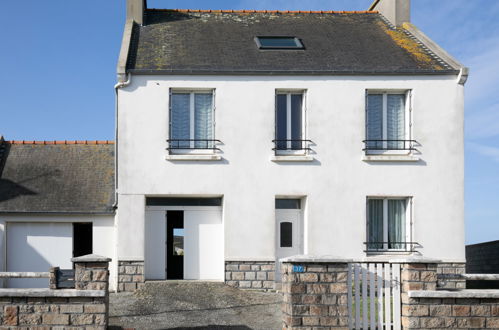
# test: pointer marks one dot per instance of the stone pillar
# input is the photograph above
(91, 272)
(315, 292)
(53, 277)
(417, 275)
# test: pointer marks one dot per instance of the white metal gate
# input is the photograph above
(374, 296)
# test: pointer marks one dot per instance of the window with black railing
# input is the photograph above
(289, 123)
(192, 125)
(390, 246)
(388, 122)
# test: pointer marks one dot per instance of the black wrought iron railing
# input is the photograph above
(291, 145)
(193, 144)
(389, 145)
(390, 246)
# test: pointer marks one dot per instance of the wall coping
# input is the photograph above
(250, 259)
(51, 293)
(335, 259)
(91, 258)
(455, 294)
(316, 259)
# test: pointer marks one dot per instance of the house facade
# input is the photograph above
(248, 136)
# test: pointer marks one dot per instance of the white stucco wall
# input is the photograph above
(103, 235)
(335, 184)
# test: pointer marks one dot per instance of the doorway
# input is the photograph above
(174, 245)
(82, 239)
(289, 237)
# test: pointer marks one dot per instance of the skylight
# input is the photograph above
(279, 43)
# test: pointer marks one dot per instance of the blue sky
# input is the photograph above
(59, 57)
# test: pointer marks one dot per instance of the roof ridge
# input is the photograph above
(93, 142)
(251, 11)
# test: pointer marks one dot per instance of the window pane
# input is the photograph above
(281, 120)
(396, 223)
(375, 211)
(286, 234)
(396, 120)
(375, 120)
(180, 120)
(296, 120)
(203, 120)
(278, 42)
(284, 203)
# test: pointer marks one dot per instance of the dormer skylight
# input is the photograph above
(275, 42)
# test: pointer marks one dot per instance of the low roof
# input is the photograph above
(222, 42)
(58, 177)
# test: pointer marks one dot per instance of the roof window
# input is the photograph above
(275, 42)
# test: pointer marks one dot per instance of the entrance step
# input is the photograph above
(192, 304)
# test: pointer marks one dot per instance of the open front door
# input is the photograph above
(175, 245)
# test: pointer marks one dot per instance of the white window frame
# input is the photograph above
(408, 223)
(192, 92)
(408, 119)
(288, 93)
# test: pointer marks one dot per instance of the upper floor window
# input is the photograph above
(290, 123)
(192, 125)
(388, 122)
(388, 224)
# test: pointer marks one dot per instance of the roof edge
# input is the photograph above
(111, 212)
(290, 72)
(125, 50)
(252, 11)
(439, 51)
(93, 142)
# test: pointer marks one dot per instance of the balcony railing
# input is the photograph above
(390, 246)
(193, 144)
(291, 145)
(374, 145)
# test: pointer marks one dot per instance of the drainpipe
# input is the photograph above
(119, 85)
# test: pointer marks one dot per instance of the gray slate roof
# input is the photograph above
(204, 42)
(59, 178)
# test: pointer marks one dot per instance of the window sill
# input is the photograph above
(194, 157)
(390, 158)
(291, 158)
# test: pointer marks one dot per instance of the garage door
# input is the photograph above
(35, 247)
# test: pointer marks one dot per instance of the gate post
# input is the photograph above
(315, 292)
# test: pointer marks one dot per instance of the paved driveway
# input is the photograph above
(194, 305)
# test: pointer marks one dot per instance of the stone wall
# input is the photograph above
(77, 312)
(315, 294)
(250, 274)
(483, 258)
(449, 276)
(130, 275)
(85, 307)
(451, 312)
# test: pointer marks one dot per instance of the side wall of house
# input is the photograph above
(335, 184)
(103, 237)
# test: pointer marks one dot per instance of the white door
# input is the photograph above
(35, 247)
(289, 235)
(203, 244)
(155, 244)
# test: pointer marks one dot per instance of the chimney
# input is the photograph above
(397, 12)
(135, 10)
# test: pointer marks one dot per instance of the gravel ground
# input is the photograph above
(194, 305)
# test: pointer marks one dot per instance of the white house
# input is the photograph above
(247, 136)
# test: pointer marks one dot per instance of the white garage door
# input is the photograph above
(35, 247)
